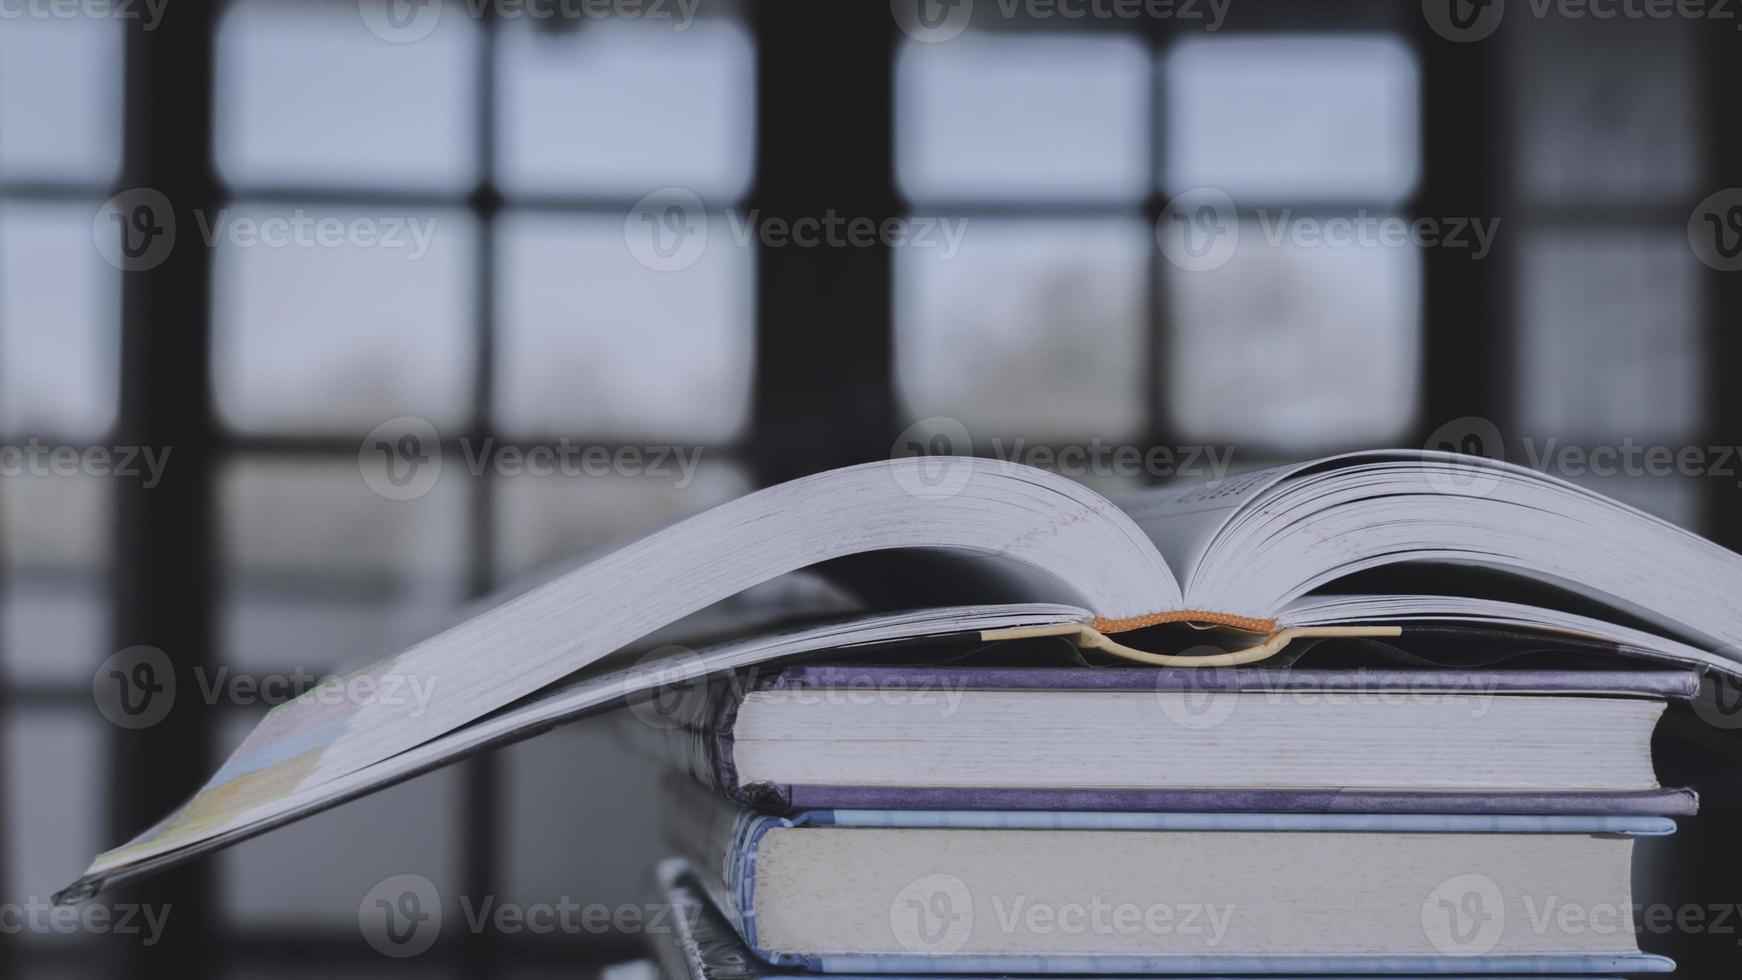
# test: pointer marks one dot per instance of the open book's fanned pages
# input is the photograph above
(1254, 553)
(982, 893)
(697, 736)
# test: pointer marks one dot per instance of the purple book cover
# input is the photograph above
(703, 748)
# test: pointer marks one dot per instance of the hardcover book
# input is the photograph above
(1331, 741)
(1041, 892)
(703, 945)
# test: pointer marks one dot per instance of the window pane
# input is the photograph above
(309, 93)
(593, 341)
(1293, 118)
(54, 803)
(55, 525)
(60, 98)
(59, 312)
(1058, 116)
(550, 520)
(55, 542)
(605, 788)
(321, 572)
(1605, 110)
(342, 334)
(1609, 340)
(626, 107)
(1296, 347)
(318, 872)
(1035, 328)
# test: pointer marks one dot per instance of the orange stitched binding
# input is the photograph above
(1251, 624)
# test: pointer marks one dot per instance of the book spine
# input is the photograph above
(718, 839)
(693, 736)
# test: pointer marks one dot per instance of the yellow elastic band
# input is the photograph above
(1091, 638)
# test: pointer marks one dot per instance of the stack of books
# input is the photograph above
(1108, 820)
(1467, 800)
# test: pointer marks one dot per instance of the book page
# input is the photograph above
(1182, 520)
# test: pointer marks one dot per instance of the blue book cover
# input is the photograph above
(964, 892)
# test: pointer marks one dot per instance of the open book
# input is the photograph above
(950, 545)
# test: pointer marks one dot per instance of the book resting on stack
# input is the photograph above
(1023, 729)
(914, 820)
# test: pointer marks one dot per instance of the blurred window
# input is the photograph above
(309, 96)
(1609, 349)
(1298, 328)
(1057, 305)
(1021, 297)
(427, 229)
(60, 152)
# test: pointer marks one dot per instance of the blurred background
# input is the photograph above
(1202, 236)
